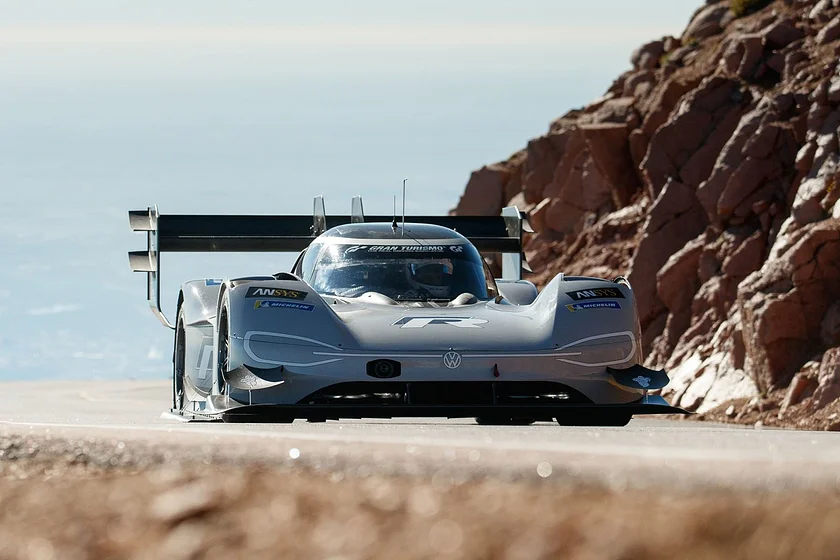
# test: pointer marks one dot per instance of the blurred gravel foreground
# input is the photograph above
(87, 499)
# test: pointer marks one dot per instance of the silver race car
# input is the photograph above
(380, 318)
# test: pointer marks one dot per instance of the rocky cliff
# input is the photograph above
(708, 174)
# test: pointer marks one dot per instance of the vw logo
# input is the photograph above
(452, 360)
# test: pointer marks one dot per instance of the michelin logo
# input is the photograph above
(270, 304)
(593, 305)
(644, 382)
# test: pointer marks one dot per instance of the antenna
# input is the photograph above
(403, 227)
(394, 223)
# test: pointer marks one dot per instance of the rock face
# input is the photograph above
(709, 174)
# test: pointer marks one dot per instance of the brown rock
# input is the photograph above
(542, 155)
(647, 56)
(710, 191)
(742, 55)
(677, 281)
(637, 79)
(675, 142)
(829, 33)
(537, 216)
(794, 60)
(830, 326)
(568, 166)
(783, 304)
(807, 205)
(675, 218)
(596, 193)
(609, 149)
(698, 168)
(805, 156)
(638, 143)
(740, 130)
(834, 87)
(745, 180)
(781, 34)
(801, 387)
(562, 217)
(657, 108)
(762, 143)
(484, 194)
(612, 111)
(706, 22)
(828, 389)
(820, 11)
(747, 258)
(515, 165)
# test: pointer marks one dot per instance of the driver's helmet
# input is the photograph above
(434, 277)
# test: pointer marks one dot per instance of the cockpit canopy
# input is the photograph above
(352, 260)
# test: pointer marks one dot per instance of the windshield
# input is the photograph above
(401, 272)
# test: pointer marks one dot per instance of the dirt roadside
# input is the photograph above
(83, 499)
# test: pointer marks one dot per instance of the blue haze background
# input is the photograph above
(253, 107)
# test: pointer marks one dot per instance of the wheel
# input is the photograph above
(503, 421)
(602, 419)
(178, 364)
(223, 355)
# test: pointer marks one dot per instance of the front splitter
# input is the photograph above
(287, 413)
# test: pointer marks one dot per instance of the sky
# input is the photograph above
(337, 22)
(639, 14)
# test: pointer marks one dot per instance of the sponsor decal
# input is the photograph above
(420, 322)
(281, 293)
(274, 304)
(644, 382)
(405, 248)
(595, 293)
(213, 282)
(204, 363)
(452, 360)
(593, 305)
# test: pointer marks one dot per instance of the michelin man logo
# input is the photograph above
(643, 381)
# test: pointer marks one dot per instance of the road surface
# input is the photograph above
(647, 453)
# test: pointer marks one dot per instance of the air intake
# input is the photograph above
(383, 369)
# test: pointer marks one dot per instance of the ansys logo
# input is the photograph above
(595, 293)
(275, 293)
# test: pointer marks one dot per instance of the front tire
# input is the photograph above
(178, 365)
(223, 353)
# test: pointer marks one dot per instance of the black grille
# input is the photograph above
(426, 393)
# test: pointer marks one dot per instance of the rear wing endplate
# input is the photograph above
(182, 233)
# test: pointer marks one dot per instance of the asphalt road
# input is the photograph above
(645, 454)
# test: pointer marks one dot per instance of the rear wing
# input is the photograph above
(187, 233)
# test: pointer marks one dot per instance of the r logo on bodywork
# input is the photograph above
(420, 322)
